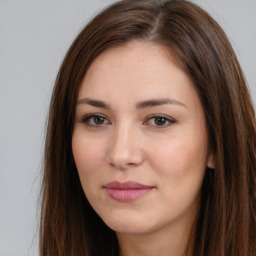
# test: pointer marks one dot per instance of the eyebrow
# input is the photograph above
(93, 102)
(139, 105)
(158, 102)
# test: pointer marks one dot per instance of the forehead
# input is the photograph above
(135, 69)
(142, 55)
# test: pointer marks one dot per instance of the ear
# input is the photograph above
(211, 161)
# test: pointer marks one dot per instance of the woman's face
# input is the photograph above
(140, 141)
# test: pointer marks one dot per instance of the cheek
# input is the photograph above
(180, 167)
(180, 157)
(88, 157)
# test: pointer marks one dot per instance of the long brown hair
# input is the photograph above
(227, 218)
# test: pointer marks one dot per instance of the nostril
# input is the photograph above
(124, 160)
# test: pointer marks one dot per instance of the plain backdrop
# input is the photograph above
(34, 36)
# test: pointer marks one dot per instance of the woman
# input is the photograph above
(151, 140)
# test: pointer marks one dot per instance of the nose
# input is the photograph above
(125, 149)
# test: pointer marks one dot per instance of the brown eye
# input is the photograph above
(95, 121)
(98, 120)
(160, 121)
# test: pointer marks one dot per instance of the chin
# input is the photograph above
(123, 223)
(129, 224)
(127, 228)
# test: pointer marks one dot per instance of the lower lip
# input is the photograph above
(127, 195)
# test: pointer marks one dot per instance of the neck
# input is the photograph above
(163, 242)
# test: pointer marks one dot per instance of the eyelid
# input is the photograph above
(86, 120)
(87, 117)
(169, 119)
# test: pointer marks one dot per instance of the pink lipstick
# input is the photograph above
(127, 191)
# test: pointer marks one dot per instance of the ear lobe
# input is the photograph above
(211, 161)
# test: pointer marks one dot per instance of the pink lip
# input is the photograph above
(127, 191)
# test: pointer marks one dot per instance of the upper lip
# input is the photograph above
(126, 185)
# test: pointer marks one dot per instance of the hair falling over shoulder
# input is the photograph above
(227, 220)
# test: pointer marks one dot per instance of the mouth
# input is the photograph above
(127, 191)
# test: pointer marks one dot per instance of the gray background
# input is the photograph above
(34, 36)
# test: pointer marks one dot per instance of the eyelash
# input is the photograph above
(88, 118)
(166, 119)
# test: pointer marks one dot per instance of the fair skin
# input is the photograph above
(139, 119)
